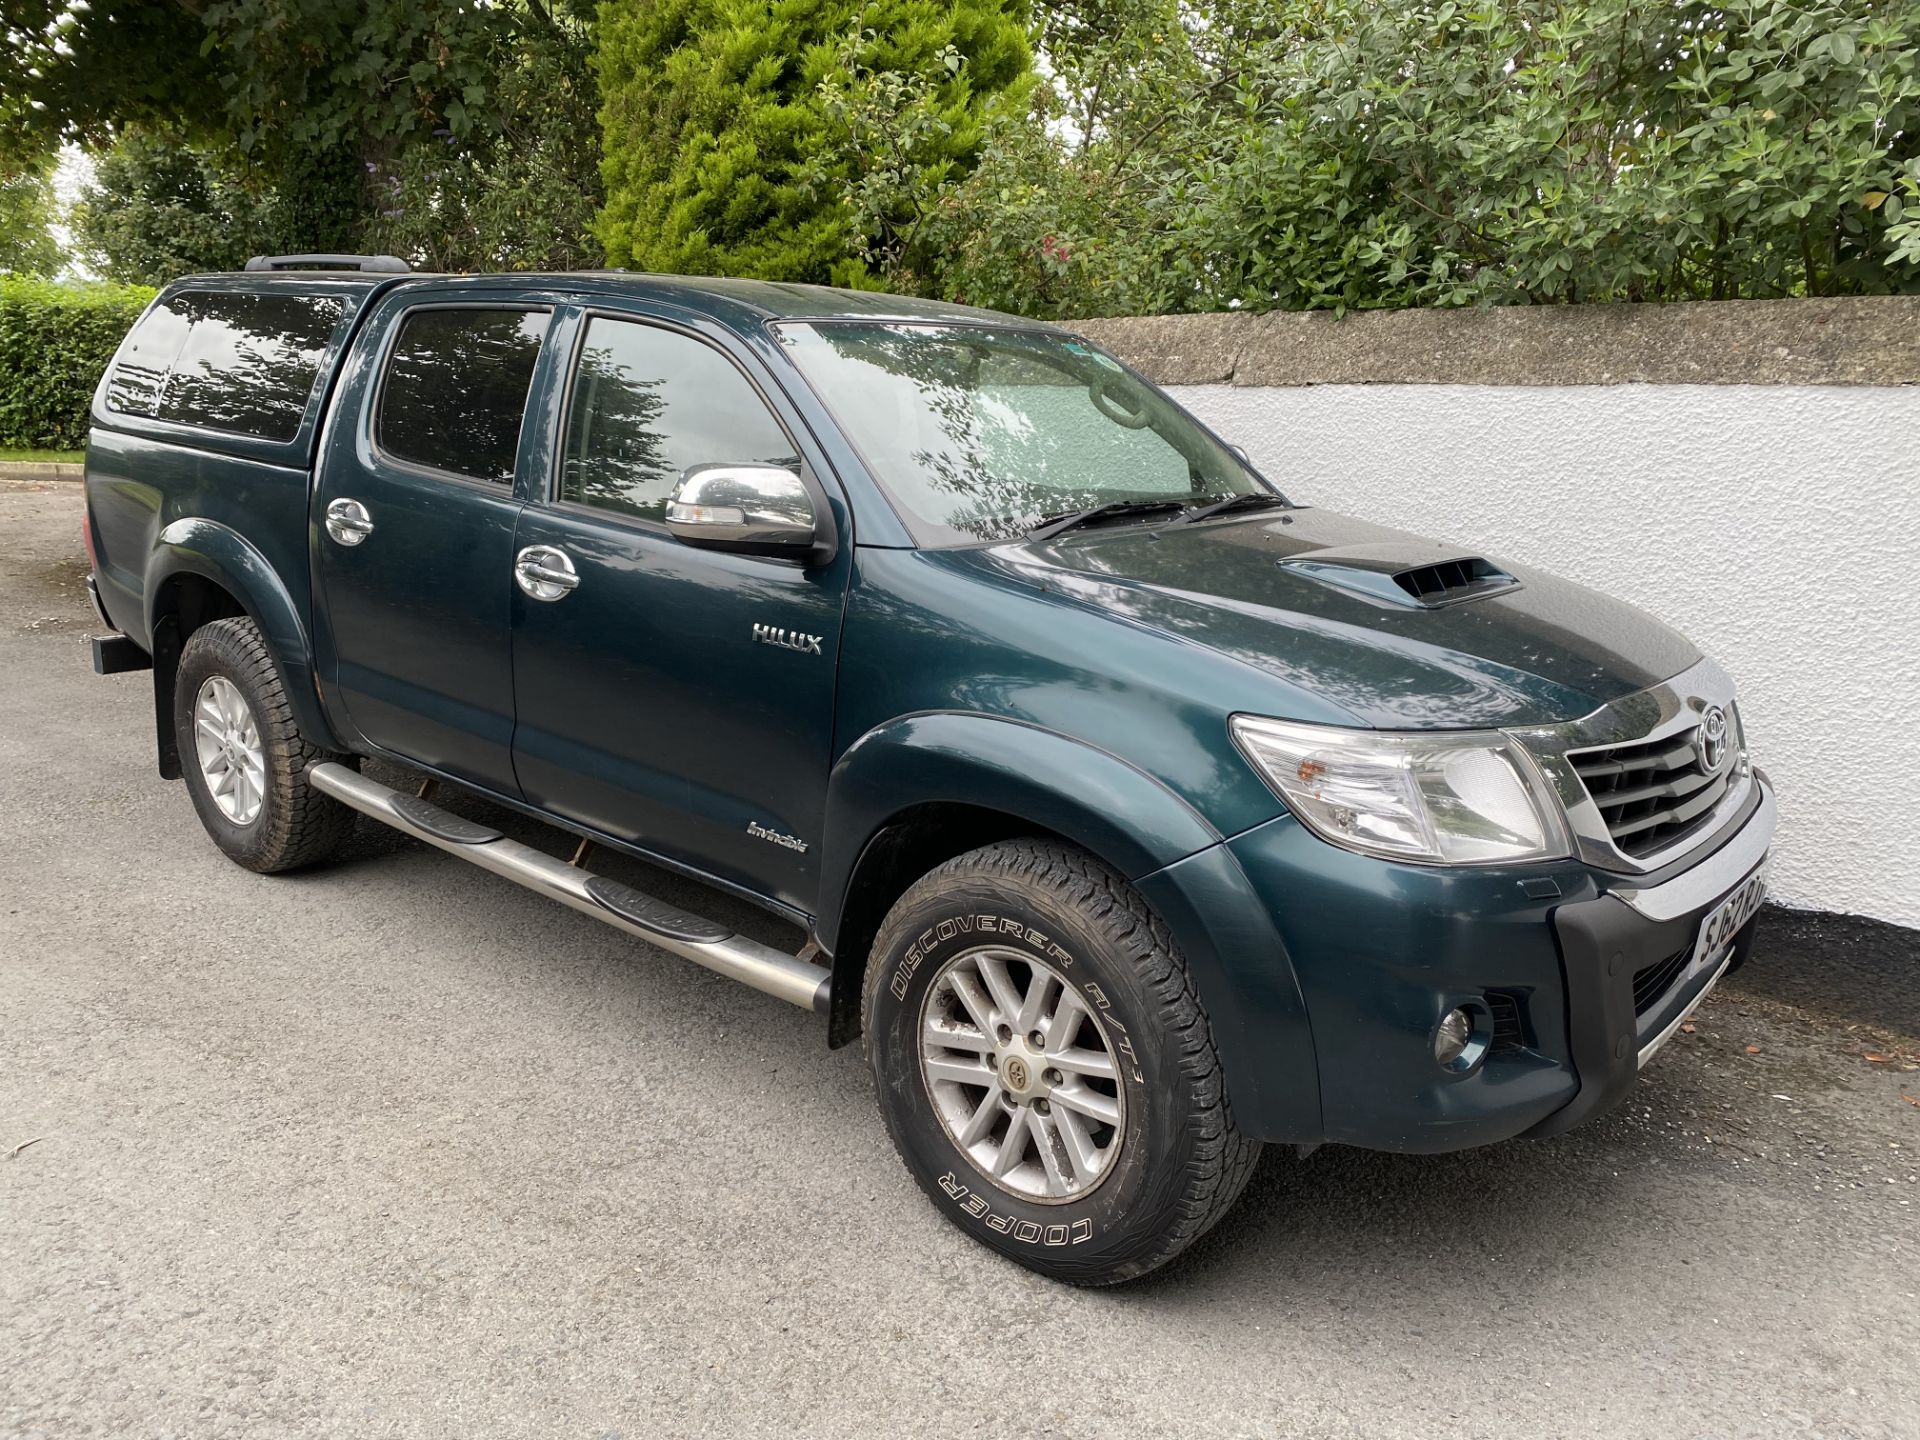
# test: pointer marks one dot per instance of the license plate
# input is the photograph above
(1725, 920)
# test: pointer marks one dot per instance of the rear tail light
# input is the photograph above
(86, 539)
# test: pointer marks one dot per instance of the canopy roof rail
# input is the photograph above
(379, 264)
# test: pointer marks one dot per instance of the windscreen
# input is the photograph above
(980, 433)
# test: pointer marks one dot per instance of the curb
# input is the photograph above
(41, 470)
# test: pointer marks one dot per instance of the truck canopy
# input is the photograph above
(240, 364)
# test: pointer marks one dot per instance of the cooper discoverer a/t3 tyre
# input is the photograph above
(1045, 1067)
(244, 758)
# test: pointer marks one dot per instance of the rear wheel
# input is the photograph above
(244, 757)
(1045, 1067)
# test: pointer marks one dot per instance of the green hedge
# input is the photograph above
(54, 342)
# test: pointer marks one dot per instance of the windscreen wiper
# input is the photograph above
(1060, 524)
(1251, 500)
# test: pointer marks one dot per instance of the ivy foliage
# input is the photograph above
(1365, 153)
(55, 340)
(724, 155)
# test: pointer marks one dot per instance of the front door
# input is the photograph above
(652, 703)
(414, 517)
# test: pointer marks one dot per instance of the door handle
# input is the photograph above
(348, 522)
(544, 572)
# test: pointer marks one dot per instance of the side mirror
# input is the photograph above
(752, 509)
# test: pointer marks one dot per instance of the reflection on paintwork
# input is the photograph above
(1550, 650)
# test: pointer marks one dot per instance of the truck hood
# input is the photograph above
(1397, 631)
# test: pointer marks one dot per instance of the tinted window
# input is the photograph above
(647, 403)
(456, 388)
(243, 363)
(147, 357)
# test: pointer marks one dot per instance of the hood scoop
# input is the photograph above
(1398, 574)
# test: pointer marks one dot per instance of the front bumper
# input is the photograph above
(1549, 954)
(1614, 948)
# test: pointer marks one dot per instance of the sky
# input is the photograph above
(70, 177)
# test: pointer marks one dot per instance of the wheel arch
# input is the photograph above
(201, 571)
(920, 790)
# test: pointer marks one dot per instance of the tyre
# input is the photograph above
(244, 758)
(1045, 1068)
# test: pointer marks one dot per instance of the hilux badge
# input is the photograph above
(787, 639)
(1710, 740)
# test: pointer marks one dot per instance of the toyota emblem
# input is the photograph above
(1710, 740)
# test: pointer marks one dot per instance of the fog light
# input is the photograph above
(1450, 1041)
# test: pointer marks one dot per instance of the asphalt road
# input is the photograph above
(396, 1149)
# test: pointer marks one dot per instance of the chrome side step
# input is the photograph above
(703, 941)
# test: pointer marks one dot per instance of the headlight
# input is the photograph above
(1445, 797)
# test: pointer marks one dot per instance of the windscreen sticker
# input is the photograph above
(1094, 355)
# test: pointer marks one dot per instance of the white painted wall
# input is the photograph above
(1777, 527)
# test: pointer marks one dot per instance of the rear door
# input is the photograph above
(414, 515)
(649, 708)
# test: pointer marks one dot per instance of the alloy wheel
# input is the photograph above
(1022, 1075)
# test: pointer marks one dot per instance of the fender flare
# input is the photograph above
(216, 552)
(1130, 821)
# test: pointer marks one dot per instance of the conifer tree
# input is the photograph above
(720, 157)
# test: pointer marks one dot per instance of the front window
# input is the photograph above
(985, 434)
(649, 403)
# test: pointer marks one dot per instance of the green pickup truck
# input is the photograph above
(1135, 814)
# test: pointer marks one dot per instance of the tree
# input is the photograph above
(1068, 210)
(28, 245)
(313, 97)
(160, 207)
(518, 192)
(79, 75)
(721, 156)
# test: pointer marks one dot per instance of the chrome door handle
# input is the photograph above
(348, 522)
(544, 572)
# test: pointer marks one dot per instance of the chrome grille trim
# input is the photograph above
(1626, 730)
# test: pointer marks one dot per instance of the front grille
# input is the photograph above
(1651, 793)
(1650, 986)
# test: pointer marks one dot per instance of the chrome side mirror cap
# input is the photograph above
(753, 509)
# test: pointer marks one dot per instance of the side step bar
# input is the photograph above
(705, 942)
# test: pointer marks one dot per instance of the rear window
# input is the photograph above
(455, 389)
(231, 361)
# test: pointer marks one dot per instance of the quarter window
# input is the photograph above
(226, 360)
(647, 403)
(455, 389)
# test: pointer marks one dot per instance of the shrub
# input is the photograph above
(55, 340)
(1526, 150)
(1302, 154)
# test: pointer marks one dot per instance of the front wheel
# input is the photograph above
(1045, 1068)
